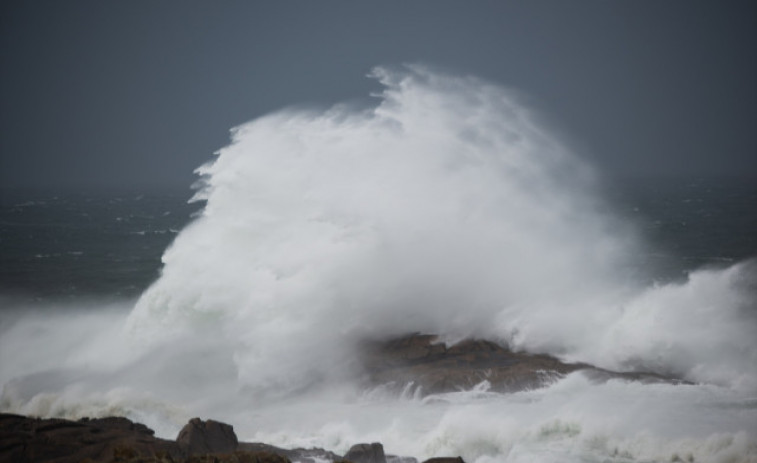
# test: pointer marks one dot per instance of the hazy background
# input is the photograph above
(140, 93)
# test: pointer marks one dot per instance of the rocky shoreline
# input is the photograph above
(427, 366)
(119, 440)
(417, 363)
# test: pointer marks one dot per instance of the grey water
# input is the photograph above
(68, 244)
(65, 244)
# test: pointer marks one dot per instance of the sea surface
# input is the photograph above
(446, 209)
(60, 244)
(67, 243)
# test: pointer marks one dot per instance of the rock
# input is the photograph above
(244, 457)
(432, 367)
(300, 455)
(445, 460)
(400, 459)
(420, 365)
(118, 423)
(366, 453)
(198, 437)
(24, 439)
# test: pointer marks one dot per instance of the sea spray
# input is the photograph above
(446, 208)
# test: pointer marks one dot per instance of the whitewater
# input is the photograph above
(446, 207)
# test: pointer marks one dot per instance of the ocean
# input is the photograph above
(448, 209)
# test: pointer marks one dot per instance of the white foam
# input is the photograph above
(449, 209)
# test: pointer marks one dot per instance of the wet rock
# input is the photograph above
(115, 439)
(445, 460)
(420, 364)
(244, 457)
(366, 453)
(431, 367)
(399, 459)
(300, 455)
(198, 437)
(24, 439)
(118, 423)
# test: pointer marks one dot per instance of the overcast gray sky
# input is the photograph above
(142, 92)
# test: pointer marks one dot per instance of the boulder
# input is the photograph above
(366, 453)
(445, 460)
(28, 440)
(201, 437)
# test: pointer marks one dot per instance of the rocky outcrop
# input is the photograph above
(209, 436)
(445, 460)
(114, 439)
(25, 439)
(366, 453)
(428, 366)
(300, 455)
(421, 361)
(431, 367)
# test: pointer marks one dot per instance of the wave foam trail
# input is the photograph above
(448, 208)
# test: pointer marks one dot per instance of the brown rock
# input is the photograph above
(431, 367)
(445, 460)
(29, 440)
(366, 453)
(312, 455)
(198, 437)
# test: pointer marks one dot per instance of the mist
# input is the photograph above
(446, 209)
(450, 208)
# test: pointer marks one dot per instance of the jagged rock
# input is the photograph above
(445, 460)
(430, 367)
(26, 440)
(119, 440)
(198, 436)
(418, 359)
(118, 423)
(366, 453)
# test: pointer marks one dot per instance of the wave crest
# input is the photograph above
(448, 208)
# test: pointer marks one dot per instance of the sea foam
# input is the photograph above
(447, 208)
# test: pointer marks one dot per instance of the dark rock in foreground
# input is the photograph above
(34, 440)
(417, 360)
(444, 460)
(197, 437)
(314, 455)
(25, 439)
(431, 367)
(366, 453)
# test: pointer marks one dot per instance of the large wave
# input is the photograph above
(447, 208)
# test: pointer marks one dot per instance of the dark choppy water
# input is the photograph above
(693, 223)
(64, 244)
